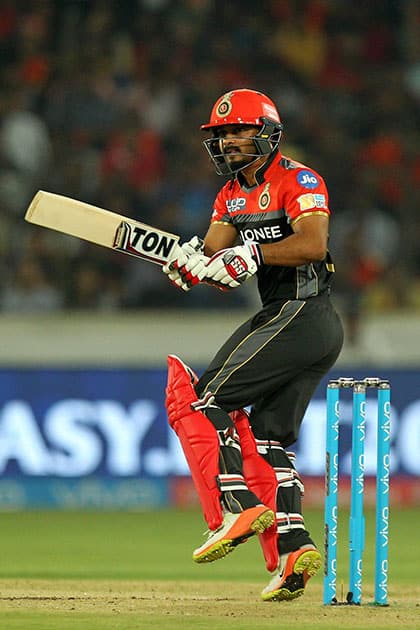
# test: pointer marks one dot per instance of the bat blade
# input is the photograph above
(101, 227)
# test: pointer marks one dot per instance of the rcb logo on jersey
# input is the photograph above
(264, 199)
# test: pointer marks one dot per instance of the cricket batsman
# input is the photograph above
(269, 220)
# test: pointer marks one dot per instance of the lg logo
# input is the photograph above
(238, 203)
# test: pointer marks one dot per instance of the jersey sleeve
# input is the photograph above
(306, 195)
(220, 209)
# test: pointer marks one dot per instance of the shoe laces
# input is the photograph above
(211, 532)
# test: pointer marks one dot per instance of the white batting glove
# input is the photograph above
(187, 266)
(229, 268)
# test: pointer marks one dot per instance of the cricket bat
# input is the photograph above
(100, 226)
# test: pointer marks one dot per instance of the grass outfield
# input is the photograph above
(99, 570)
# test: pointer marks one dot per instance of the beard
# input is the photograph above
(238, 161)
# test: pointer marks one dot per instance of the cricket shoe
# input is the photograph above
(290, 579)
(235, 529)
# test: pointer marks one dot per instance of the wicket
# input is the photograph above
(357, 521)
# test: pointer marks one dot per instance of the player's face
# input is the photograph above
(237, 145)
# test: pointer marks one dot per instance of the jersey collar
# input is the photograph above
(260, 173)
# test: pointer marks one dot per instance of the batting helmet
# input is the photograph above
(243, 107)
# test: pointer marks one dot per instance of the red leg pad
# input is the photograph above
(198, 437)
(261, 479)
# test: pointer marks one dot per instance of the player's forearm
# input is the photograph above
(294, 251)
(219, 236)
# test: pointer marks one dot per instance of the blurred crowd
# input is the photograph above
(103, 101)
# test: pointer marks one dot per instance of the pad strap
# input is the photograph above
(261, 479)
(198, 437)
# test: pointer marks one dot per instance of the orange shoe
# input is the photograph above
(290, 579)
(235, 529)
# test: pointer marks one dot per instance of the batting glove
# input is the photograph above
(187, 267)
(229, 268)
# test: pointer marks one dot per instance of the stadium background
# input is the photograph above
(103, 102)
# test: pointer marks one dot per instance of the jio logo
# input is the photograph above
(307, 179)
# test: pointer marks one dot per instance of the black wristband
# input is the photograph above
(257, 254)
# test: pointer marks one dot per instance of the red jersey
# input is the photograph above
(286, 191)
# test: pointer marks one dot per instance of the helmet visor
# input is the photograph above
(230, 158)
